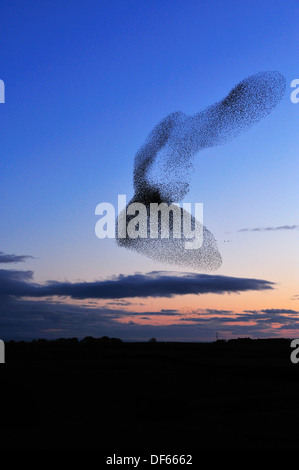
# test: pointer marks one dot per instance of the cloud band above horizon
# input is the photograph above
(16, 284)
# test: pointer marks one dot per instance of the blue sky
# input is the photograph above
(85, 84)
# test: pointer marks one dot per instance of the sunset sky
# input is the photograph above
(85, 83)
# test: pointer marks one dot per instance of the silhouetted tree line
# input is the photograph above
(87, 340)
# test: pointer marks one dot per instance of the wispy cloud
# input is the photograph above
(27, 319)
(267, 317)
(6, 258)
(269, 229)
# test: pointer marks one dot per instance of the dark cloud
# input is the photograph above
(154, 284)
(279, 310)
(256, 325)
(15, 283)
(163, 312)
(268, 229)
(213, 311)
(120, 302)
(28, 319)
(5, 258)
(266, 317)
(168, 311)
(45, 316)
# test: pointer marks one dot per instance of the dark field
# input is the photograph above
(113, 395)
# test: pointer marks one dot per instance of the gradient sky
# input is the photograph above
(86, 81)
